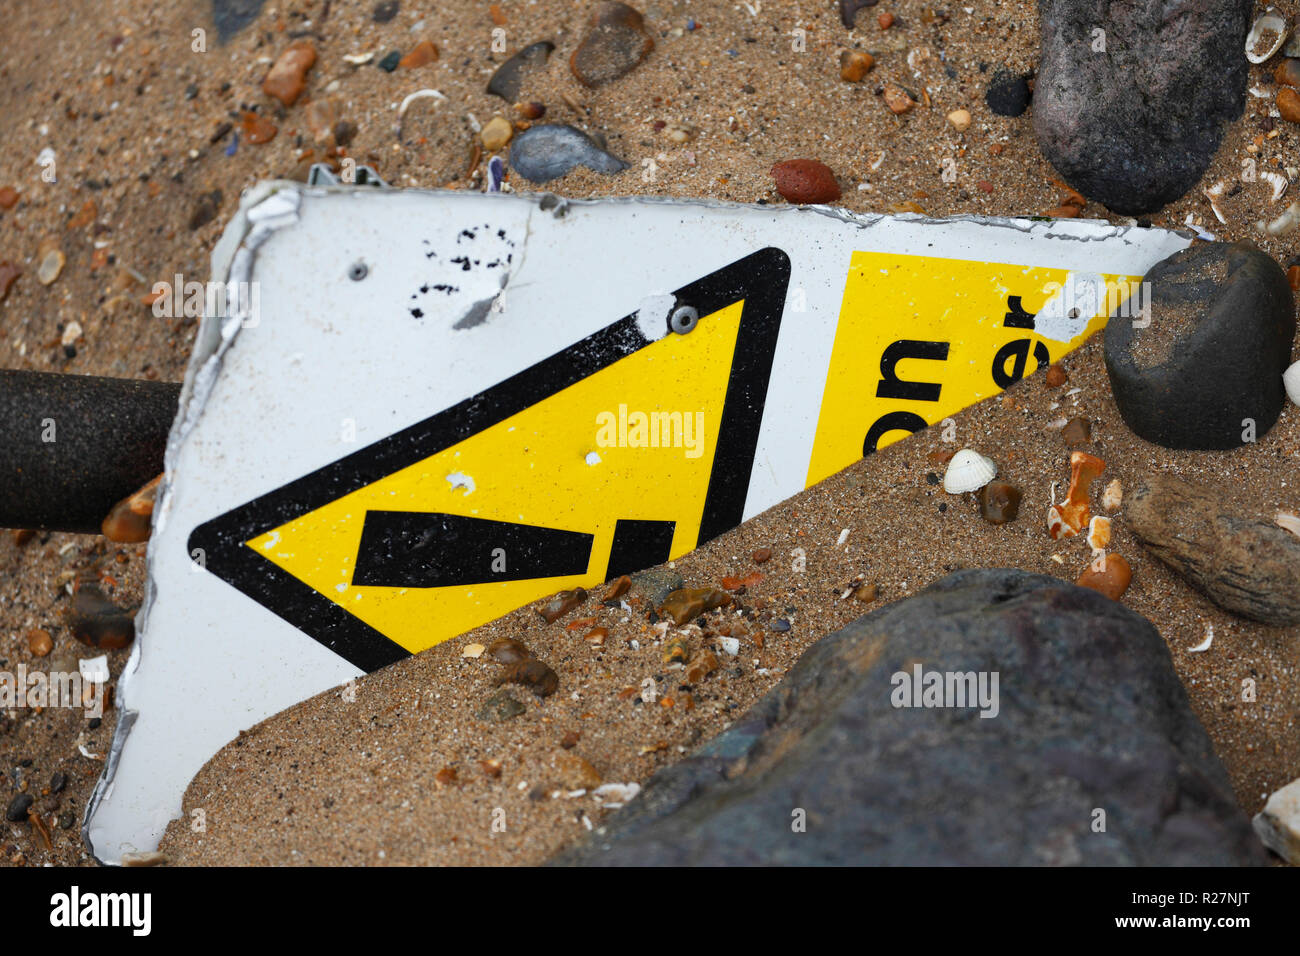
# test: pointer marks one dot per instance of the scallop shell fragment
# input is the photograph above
(968, 471)
(1266, 36)
(1277, 181)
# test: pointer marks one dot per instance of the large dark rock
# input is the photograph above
(1091, 716)
(1134, 127)
(1221, 324)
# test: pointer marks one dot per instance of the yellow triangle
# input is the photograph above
(550, 465)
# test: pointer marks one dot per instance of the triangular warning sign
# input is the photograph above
(616, 453)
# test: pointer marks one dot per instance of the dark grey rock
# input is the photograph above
(384, 11)
(500, 707)
(1007, 94)
(1134, 127)
(1222, 320)
(849, 10)
(1243, 564)
(16, 812)
(543, 153)
(509, 76)
(1091, 716)
(231, 16)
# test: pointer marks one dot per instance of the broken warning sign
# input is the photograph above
(453, 404)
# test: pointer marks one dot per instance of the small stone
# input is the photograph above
(780, 625)
(58, 782)
(705, 663)
(1056, 376)
(257, 128)
(885, 20)
(1222, 320)
(17, 810)
(385, 11)
(67, 820)
(496, 133)
(8, 274)
(1077, 431)
(897, 99)
(96, 621)
(389, 63)
(561, 604)
(866, 593)
(446, 777)
(423, 53)
(1007, 94)
(500, 707)
(576, 773)
(288, 76)
(1278, 824)
(8, 197)
(1244, 564)
(205, 209)
(656, 584)
(85, 216)
(617, 42)
(531, 110)
(805, 181)
(849, 10)
(492, 768)
(39, 642)
(854, 65)
(1286, 74)
(542, 153)
(1110, 575)
(533, 674)
(999, 502)
(473, 651)
(322, 117)
(1288, 104)
(508, 651)
(130, 521)
(596, 636)
(677, 651)
(762, 555)
(618, 587)
(509, 77)
(686, 604)
(960, 120)
(51, 260)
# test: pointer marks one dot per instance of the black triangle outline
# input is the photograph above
(760, 279)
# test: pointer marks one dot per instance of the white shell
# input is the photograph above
(1266, 36)
(968, 471)
(1291, 382)
(1288, 522)
(1277, 181)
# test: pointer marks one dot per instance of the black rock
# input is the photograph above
(384, 11)
(849, 10)
(1007, 94)
(509, 76)
(1222, 319)
(58, 782)
(17, 811)
(205, 209)
(389, 63)
(1094, 756)
(1135, 126)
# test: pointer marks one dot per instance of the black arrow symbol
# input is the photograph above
(415, 549)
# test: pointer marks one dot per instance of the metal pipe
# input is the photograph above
(72, 446)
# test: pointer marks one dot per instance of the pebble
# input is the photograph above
(533, 674)
(618, 587)
(1007, 94)
(473, 651)
(1109, 576)
(500, 707)
(960, 120)
(885, 20)
(854, 65)
(897, 99)
(780, 625)
(617, 42)
(496, 133)
(1287, 73)
(205, 209)
(389, 63)
(509, 77)
(531, 110)
(384, 11)
(322, 117)
(8, 274)
(1288, 104)
(1278, 824)
(58, 782)
(561, 604)
(288, 76)
(96, 621)
(866, 593)
(677, 650)
(8, 197)
(423, 53)
(805, 181)
(705, 663)
(1244, 564)
(508, 651)
(1077, 431)
(849, 10)
(17, 810)
(686, 604)
(51, 260)
(542, 153)
(762, 555)
(999, 502)
(576, 772)
(1213, 354)
(130, 521)
(257, 128)
(1056, 376)
(39, 642)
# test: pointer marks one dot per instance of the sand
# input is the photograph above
(346, 769)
